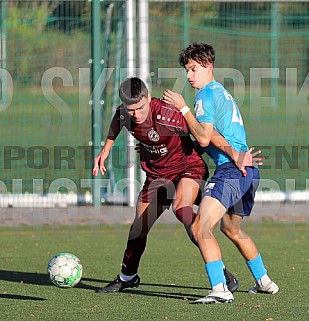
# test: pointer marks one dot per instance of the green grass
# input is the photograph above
(171, 269)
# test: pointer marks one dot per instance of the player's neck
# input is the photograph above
(208, 81)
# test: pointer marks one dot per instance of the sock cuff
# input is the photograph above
(215, 272)
(126, 278)
(257, 267)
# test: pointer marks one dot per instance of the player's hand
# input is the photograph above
(174, 99)
(99, 165)
(248, 159)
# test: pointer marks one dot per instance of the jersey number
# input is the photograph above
(236, 118)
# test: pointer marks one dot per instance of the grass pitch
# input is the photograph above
(172, 275)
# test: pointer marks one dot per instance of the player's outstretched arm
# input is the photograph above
(98, 163)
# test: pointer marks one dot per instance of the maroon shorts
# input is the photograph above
(162, 190)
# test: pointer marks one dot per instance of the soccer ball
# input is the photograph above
(65, 270)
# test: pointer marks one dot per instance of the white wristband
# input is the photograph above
(184, 110)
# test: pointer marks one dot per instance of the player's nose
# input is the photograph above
(137, 114)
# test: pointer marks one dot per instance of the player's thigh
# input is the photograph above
(160, 191)
(210, 212)
(187, 190)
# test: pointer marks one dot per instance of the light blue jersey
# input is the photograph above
(214, 104)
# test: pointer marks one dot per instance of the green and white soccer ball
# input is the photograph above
(65, 270)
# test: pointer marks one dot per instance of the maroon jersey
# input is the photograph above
(166, 147)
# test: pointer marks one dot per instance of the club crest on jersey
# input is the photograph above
(199, 111)
(153, 135)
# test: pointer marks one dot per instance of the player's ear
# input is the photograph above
(149, 97)
(211, 68)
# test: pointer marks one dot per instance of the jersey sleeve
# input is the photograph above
(204, 107)
(116, 125)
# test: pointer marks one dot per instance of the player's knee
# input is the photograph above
(231, 233)
(201, 231)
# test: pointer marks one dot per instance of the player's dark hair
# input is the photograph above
(200, 52)
(132, 90)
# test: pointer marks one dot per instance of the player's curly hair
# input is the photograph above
(200, 52)
(132, 90)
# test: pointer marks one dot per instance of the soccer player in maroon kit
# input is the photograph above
(175, 172)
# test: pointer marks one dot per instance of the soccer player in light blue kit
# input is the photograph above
(229, 194)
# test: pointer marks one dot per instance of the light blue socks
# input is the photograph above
(215, 272)
(257, 267)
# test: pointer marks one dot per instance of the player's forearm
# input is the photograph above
(197, 130)
(107, 147)
(99, 160)
(221, 143)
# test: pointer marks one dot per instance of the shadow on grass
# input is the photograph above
(164, 294)
(20, 297)
(168, 295)
(161, 294)
(174, 286)
(153, 284)
(43, 279)
(35, 278)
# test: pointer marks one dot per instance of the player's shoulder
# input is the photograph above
(207, 95)
(214, 88)
(156, 102)
(210, 89)
(119, 110)
(160, 106)
(121, 113)
(164, 113)
(213, 91)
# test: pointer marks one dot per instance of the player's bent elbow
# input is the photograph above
(203, 141)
